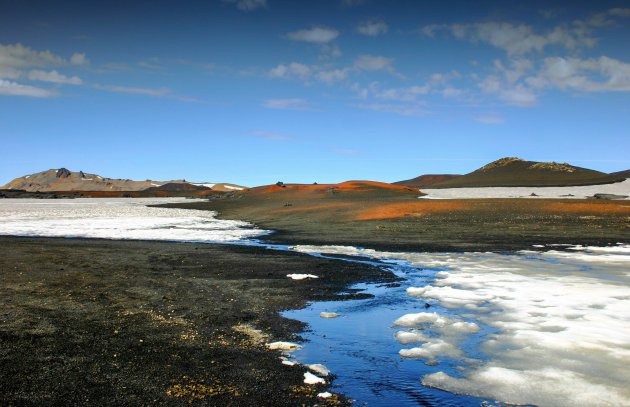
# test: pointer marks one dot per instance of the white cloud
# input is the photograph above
(9, 73)
(373, 63)
(286, 104)
(591, 75)
(306, 72)
(372, 28)
(154, 92)
(316, 35)
(53, 77)
(19, 56)
(15, 89)
(511, 93)
(516, 39)
(294, 69)
(248, 5)
(79, 58)
(332, 75)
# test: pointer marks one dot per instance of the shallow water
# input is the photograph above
(546, 326)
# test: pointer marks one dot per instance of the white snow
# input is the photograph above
(562, 322)
(27, 177)
(578, 192)
(328, 315)
(310, 378)
(156, 185)
(117, 218)
(207, 185)
(87, 179)
(324, 395)
(319, 369)
(301, 276)
(233, 187)
(283, 346)
(288, 363)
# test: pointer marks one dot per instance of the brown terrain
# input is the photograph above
(383, 215)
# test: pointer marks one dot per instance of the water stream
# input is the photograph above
(545, 327)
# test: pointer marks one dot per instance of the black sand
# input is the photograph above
(98, 322)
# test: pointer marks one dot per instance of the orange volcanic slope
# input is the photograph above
(348, 186)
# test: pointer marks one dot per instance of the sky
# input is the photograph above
(258, 91)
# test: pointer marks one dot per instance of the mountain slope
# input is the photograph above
(515, 172)
(426, 180)
(63, 179)
(624, 174)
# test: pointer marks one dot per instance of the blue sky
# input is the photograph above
(256, 91)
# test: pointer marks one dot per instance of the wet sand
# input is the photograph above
(100, 322)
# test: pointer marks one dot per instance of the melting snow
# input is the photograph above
(301, 276)
(310, 378)
(117, 218)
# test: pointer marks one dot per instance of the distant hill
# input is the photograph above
(424, 181)
(515, 172)
(63, 179)
(624, 174)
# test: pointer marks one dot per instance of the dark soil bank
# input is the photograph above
(98, 322)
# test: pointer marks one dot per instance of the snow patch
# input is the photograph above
(310, 378)
(319, 369)
(328, 315)
(301, 276)
(283, 346)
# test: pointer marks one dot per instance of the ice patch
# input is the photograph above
(405, 338)
(283, 346)
(310, 378)
(431, 350)
(542, 387)
(301, 276)
(328, 315)
(324, 395)
(319, 369)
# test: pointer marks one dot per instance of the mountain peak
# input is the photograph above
(501, 162)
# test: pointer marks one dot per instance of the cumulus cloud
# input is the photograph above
(591, 75)
(373, 63)
(11, 88)
(308, 72)
(294, 69)
(53, 77)
(516, 39)
(248, 5)
(315, 35)
(372, 28)
(16, 58)
(286, 104)
(79, 58)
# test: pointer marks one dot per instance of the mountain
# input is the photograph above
(516, 172)
(426, 180)
(624, 174)
(63, 179)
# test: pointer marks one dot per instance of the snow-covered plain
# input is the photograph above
(619, 188)
(117, 218)
(559, 321)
